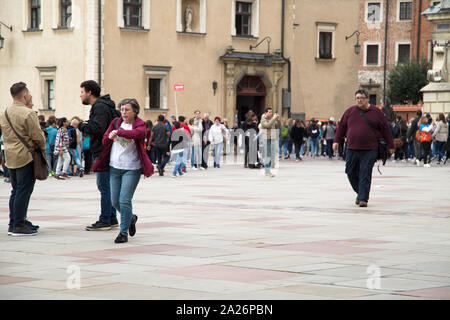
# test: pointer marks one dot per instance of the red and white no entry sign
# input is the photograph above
(178, 87)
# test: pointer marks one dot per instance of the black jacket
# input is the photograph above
(411, 135)
(297, 134)
(102, 113)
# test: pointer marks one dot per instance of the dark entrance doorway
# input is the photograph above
(250, 95)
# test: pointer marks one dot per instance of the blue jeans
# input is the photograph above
(217, 152)
(196, 156)
(284, 143)
(103, 184)
(358, 167)
(178, 163)
(123, 185)
(314, 145)
(269, 154)
(22, 182)
(75, 158)
(184, 159)
(440, 149)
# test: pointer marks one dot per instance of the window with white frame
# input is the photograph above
(65, 8)
(404, 10)
(133, 14)
(47, 77)
(374, 11)
(372, 54)
(403, 52)
(198, 15)
(156, 83)
(325, 40)
(245, 18)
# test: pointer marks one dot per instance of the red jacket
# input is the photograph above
(137, 133)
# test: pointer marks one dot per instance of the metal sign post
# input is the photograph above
(177, 87)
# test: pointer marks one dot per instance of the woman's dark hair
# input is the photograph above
(217, 118)
(61, 121)
(149, 124)
(191, 121)
(181, 119)
(132, 102)
(161, 118)
(441, 117)
(177, 125)
(92, 86)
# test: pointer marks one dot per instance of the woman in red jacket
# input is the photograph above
(125, 157)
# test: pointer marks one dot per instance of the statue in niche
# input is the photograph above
(188, 19)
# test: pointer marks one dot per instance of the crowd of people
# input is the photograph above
(120, 147)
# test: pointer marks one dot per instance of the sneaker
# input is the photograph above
(58, 177)
(173, 176)
(363, 204)
(426, 165)
(30, 225)
(50, 174)
(114, 223)
(218, 166)
(121, 238)
(99, 226)
(202, 168)
(23, 231)
(7, 180)
(81, 173)
(357, 201)
(132, 229)
(195, 168)
(183, 169)
(438, 162)
(65, 175)
(394, 161)
(418, 162)
(10, 230)
(270, 175)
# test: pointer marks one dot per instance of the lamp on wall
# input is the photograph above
(268, 57)
(357, 45)
(2, 40)
(214, 86)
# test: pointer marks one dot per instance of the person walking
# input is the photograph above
(269, 123)
(125, 157)
(313, 134)
(20, 120)
(206, 124)
(411, 135)
(102, 113)
(362, 143)
(330, 132)
(216, 134)
(160, 139)
(440, 135)
(196, 140)
(298, 132)
(425, 133)
(62, 150)
(50, 146)
(179, 142)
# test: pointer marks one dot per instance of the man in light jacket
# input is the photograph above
(19, 159)
(269, 124)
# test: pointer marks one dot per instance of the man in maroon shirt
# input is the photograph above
(362, 143)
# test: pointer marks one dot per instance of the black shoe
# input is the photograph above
(132, 229)
(30, 225)
(23, 231)
(10, 230)
(218, 166)
(114, 223)
(99, 226)
(121, 238)
(81, 173)
(245, 166)
(357, 201)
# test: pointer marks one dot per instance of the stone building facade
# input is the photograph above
(391, 32)
(291, 55)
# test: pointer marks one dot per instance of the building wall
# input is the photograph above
(321, 88)
(193, 58)
(425, 33)
(64, 49)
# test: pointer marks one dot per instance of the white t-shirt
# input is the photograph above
(124, 154)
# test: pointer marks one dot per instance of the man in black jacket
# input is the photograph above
(207, 124)
(411, 135)
(103, 111)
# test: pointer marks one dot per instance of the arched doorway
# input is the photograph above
(250, 95)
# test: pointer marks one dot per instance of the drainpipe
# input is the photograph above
(100, 43)
(385, 51)
(418, 30)
(283, 6)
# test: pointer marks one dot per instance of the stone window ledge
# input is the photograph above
(134, 29)
(32, 30)
(64, 29)
(325, 60)
(245, 37)
(191, 33)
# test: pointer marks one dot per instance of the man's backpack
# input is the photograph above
(314, 132)
(285, 133)
(424, 136)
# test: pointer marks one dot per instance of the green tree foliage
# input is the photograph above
(406, 80)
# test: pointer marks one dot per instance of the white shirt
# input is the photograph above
(216, 133)
(124, 154)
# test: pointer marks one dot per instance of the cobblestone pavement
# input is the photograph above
(232, 233)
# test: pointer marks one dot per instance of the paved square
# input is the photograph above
(232, 233)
